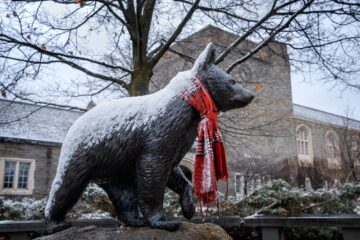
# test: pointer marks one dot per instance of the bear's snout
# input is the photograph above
(242, 97)
(250, 96)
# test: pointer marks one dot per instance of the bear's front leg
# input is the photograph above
(152, 176)
(182, 186)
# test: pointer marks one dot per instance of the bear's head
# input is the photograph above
(226, 92)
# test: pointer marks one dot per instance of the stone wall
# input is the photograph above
(46, 159)
(259, 138)
(321, 170)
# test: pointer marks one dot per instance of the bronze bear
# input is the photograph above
(131, 147)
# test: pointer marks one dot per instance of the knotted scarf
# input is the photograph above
(210, 160)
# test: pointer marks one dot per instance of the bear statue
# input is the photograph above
(131, 147)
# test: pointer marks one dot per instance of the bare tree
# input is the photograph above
(350, 148)
(256, 172)
(136, 34)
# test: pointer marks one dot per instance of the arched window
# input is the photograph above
(332, 145)
(332, 150)
(355, 150)
(302, 141)
(355, 144)
(304, 145)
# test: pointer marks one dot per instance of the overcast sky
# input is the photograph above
(310, 92)
(326, 97)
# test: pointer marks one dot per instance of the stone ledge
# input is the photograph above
(187, 231)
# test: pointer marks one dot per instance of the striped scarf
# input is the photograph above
(210, 160)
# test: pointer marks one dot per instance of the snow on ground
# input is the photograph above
(94, 203)
(96, 215)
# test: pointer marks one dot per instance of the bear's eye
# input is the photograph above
(232, 81)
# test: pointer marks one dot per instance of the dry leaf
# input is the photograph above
(263, 56)
(258, 86)
(81, 2)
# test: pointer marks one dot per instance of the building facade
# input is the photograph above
(260, 136)
(30, 142)
(327, 146)
(271, 138)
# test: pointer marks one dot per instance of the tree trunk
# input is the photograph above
(140, 81)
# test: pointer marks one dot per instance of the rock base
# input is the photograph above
(206, 231)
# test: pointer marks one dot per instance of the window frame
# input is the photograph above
(355, 144)
(333, 162)
(15, 190)
(305, 159)
(355, 149)
(239, 194)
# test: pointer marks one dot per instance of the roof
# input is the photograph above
(19, 120)
(316, 115)
(31, 122)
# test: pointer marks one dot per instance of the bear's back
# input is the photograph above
(119, 116)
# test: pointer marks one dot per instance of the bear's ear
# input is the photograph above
(206, 58)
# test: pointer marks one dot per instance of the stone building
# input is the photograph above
(260, 136)
(328, 147)
(271, 138)
(262, 139)
(30, 142)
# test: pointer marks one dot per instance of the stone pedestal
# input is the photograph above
(206, 231)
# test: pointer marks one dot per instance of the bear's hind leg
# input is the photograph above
(124, 198)
(152, 176)
(70, 188)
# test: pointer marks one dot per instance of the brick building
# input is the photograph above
(270, 138)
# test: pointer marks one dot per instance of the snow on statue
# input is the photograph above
(131, 147)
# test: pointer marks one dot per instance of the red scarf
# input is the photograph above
(210, 160)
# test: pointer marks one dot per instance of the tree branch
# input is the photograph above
(175, 34)
(233, 45)
(266, 41)
(44, 104)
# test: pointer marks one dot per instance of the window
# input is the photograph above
(239, 180)
(355, 150)
(355, 144)
(332, 145)
(304, 145)
(16, 176)
(332, 149)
